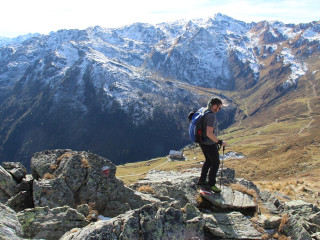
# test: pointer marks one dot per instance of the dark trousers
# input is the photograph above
(211, 163)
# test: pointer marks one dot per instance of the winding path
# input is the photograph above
(309, 108)
(131, 175)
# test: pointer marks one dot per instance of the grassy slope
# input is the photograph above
(281, 141)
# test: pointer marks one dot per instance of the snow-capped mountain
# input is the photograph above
(16, 40)
(124, 93)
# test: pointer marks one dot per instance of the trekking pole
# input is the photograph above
(221, 165)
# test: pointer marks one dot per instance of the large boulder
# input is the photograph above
(10, 228)
(152, 221)
(50, 224)
(66, 177)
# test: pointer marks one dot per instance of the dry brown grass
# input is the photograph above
(85, 163)
(93, 213)
(65, 155)
(243, 189)
(145, 189)
(53, 166)
(48, 176)
(283, 222)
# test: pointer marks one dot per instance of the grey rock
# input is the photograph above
(10, 228)
(7, 184)
(272, 222)
(25, 186)
(84, 209)
(52, 193)
(50, 224)
(316, 236)
(296, 230)
(315, 218)
(4, 197)
(152, 221)
(232, 225)
(231, 199)
(16, 169)
(303, 219)
(65, 177)
(270, 202)
(19, 202)
(227, 175)
(247, 184)
(300, 208)
(172, 186)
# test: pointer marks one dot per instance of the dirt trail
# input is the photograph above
(309, 108)
(131, 175)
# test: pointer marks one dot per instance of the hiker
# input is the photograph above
(210, 145)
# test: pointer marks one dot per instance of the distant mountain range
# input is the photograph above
(124, 93)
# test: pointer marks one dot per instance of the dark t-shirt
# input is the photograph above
(209, 119)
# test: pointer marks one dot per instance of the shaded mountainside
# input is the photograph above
(125, 93)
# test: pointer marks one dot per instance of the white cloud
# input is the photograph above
(21, 16)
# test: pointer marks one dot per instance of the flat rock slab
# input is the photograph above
(232, 225)
(231, 199)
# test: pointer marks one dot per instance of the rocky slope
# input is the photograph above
(70, 189)
(124, 93)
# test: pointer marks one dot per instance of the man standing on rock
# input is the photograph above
(210, 145)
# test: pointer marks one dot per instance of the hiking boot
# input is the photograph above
(215, 189)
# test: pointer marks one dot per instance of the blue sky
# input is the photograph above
(18, 17)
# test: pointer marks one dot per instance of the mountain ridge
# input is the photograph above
(88, 88)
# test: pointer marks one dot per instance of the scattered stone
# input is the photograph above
(272, 222)
(300, 208)
(270, 202)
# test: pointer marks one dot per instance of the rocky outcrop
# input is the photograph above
(66, 177)
(182, 187)
(50, 224)
(70, 190)
(152, 221)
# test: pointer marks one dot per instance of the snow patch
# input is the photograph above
(311, 35)
(231, 155)
(297, 69)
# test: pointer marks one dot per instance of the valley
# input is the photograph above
(281, 145)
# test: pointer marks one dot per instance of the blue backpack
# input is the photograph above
(196, 125)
